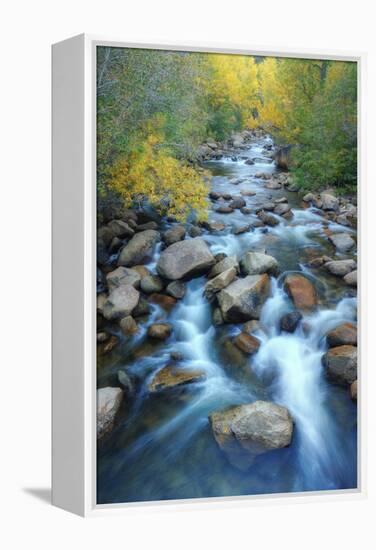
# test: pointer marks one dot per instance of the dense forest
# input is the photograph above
(156, 107)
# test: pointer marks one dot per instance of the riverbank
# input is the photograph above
(255, 310)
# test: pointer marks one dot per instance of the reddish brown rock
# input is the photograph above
(247, 343)
(301, 291)
(342, 335)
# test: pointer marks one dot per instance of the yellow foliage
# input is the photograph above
(170, 186)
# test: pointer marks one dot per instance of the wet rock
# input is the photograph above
(214, 226)
(223, 209)
(268, 206)
(176, 289)
(110, 344)
(142, 308)
(160, 331)
(226, 196)
(171, 377)
(247, 343)
(318, 262)
(272, 184)
(340, 268)
(125, 382)
(151, 283)
(237, 202)
(219, 282)
(108, 403)
(120, 302)
(251, 326)
(123, 276)
(176, 356)
(217, 317)
(342, 335)
(256, 263)
(185, 259)
(174, 235)
(342, 241)
(351, 278)
(249, 161)
(329, 202)
(268, 219)
(214, 195)
(241, 229)
(282, 209)
(139, 248)
(354, 390)
(243, 299)
(341, 364)
(290, 321)
(128, 325)
(195, 231)
(245, 210)
(165, 302)
(281, 200)
(301, 291)
(247, 193)
(246, 431)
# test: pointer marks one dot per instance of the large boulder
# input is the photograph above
(243, 299)
(108, 403)
(223, 265)
(139, 248)
(256, 263)
(185, 259)
(342, 241)
(122, 276)
(340, 268)
(342, 335)
(174, 235)
(171, 377)
(341, 364)
(219, 282)
(120, 302)
(301, 291)
(246, 431)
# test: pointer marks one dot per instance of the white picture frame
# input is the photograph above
(74, 273)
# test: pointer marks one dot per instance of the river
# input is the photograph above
(162, 446)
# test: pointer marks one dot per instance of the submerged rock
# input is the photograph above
(243, 299)
(247, 343)
(139, 248)
(185, 259)
(301, 291)
(108, 403)
(246, 431)
(256, 263)
(160, 331)
(341, 364)
(172, 376)
(341, 335)
(290, 321)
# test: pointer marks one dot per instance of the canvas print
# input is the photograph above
(226, 275)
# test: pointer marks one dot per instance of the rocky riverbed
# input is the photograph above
(227, 358)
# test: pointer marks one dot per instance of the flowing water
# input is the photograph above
(162, 446)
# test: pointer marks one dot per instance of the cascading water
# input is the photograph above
(164, 447)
